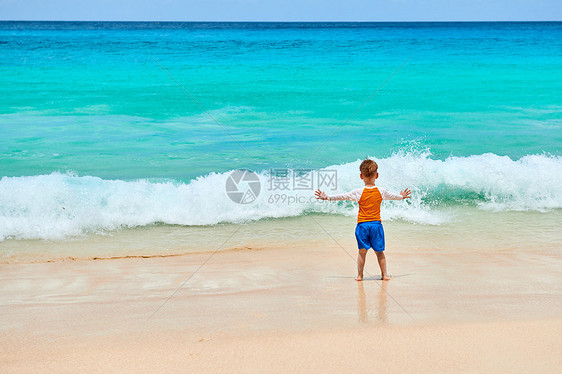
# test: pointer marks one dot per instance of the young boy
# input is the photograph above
(369, 232)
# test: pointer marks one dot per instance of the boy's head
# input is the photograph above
(369, 169)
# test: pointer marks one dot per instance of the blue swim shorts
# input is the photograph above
(370, 235)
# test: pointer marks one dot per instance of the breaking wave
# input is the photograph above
(62, 205)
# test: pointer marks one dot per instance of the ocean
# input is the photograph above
(122, 132)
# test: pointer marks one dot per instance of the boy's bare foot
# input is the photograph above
(385, 277)
(358, 278)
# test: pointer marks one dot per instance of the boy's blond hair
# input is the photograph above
(368, 168)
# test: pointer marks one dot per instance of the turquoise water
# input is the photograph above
(118, 122)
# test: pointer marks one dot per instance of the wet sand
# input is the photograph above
(467, 230)
(281, 309)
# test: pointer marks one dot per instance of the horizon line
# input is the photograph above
(254, 21)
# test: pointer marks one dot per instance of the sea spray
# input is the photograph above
(62, 205)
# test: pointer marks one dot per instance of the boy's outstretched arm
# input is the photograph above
(386, 195)
(354, 195)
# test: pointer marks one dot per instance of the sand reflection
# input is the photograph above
(363, 307)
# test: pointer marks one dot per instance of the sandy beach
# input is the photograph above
(284, 309)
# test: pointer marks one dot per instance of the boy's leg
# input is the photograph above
(360, 263)
(382, 264)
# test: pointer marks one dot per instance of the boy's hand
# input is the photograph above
(406, 194)
(321, 195)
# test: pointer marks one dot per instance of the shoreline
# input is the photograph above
(473, 230)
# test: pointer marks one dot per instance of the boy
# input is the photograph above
(369, 232)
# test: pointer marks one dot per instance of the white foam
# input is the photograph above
(61, 205)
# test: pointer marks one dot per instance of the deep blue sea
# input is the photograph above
(105, 125)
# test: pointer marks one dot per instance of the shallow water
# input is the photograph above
(472, 231)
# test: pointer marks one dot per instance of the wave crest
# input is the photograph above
(61, 205)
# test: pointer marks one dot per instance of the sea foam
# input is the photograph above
(62, 205)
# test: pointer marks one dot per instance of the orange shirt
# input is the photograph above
(370, 199)
(370, 205)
